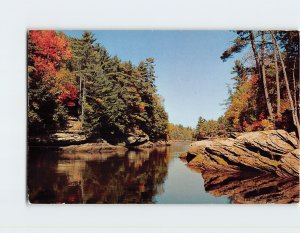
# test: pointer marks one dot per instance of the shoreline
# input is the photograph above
(269, 151)
(94, 147)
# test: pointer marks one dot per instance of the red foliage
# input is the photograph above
(49, 50)
(256, 125)
(261, 116)
(69, 96)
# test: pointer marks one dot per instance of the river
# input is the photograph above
(155, 176)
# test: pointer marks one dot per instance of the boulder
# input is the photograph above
(136, 139)
(272, 151)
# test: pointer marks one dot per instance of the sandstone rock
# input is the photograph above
(92, 148)
(272, 151)
(162, 143)
(136, 139)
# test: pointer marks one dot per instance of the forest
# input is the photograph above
(76, 78)
(180, 132)
(265, 93)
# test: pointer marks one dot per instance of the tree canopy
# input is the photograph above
(76, 77)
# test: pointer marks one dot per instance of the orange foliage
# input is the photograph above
(240, 103)
(242, 111)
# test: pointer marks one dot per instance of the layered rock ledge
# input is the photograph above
(272, 151)
(93, 148)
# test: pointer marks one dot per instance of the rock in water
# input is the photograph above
(272, 151)
(136, 139)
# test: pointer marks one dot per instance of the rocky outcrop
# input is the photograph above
(272, 151)
(92, 148)
(153, 145)
(136, 139)
(71, 135)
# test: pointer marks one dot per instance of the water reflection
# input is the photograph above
(252, 188)
(146, 176)
(131, 177)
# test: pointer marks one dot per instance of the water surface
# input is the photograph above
(145, 176)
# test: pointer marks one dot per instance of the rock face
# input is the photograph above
(272, 151)
(136, 139)
(72, 135)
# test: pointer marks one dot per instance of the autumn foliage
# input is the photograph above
(77, 78)
(49, 51)
(260, 98)
(52, 88)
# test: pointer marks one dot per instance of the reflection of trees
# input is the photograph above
(43, 182)
(135, 179)
(132, 178)
(250, 188)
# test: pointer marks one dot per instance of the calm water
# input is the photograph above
(145, 176)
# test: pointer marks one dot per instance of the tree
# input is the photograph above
(245, 109)
(244, 38)
(179, 132)
(263, 74)
(198, 133)
(294, 112)
(48, 53)
(111, 98)
(277, 77)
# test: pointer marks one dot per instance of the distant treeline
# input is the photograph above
(179, 132)
(211, 128)
(76, 77)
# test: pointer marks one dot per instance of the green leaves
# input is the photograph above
(110, 97)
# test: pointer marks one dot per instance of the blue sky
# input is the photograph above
(190, 74)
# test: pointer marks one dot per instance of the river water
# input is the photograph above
(144, 176)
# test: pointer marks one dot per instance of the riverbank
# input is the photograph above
(67, 142)
(106, 147)
(271, 151)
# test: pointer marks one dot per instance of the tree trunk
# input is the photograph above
(80, 96)
(254, 49)
(277, 78)
(295, 88)
(294, 112)
(83, 102)
(263, 72)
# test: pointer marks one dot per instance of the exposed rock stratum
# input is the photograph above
(272, 151)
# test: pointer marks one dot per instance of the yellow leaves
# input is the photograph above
(240, 103)
(88, 108)
(59, 82)
(99, 100)
(284, 105)
(141, 107)
(267, 125)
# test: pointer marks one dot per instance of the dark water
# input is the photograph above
(145, 176)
